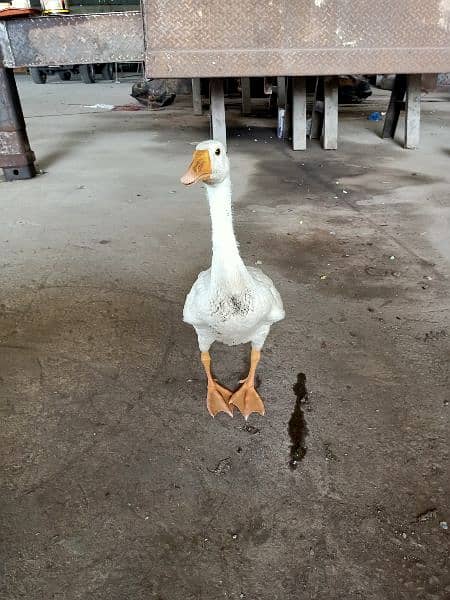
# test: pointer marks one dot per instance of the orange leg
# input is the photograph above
(218, 397)
(246, 398)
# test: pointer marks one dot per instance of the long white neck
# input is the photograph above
(227, 268)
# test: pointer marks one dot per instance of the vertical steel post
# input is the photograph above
(16, 156)
(299, 113)
(197, 96)
(412, 113)
(246, 96)
(330, 113)
(396, 105)
(217, 108)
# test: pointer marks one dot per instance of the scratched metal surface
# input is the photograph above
(72, 39)
(208, 38)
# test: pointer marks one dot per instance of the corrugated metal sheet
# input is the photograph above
(213, 38)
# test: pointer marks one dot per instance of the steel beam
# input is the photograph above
(396, 105)
(197, 96)
(299, 113)
(330, 113)
(217, 108)
(246, 96)
(412, 112)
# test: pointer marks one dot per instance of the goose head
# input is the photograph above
(209, 164)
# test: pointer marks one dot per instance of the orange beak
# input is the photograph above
(199, 169)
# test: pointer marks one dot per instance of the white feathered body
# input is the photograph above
(233, 314)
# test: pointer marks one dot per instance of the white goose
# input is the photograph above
(229, 302)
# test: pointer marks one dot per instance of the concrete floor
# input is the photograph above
(118, 483)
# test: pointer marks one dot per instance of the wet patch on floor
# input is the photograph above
(297, 427)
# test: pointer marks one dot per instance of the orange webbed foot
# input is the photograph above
(218, 399)
(248, 401)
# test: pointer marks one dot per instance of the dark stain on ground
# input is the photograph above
(297, 427)
(250, 429)
(329, 454)
(312, 179)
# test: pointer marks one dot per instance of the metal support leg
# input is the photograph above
(197, 96)
(246, 96)
(330, 121)
(298, 113)
(317, 111)
(284, 125)
(412, 117)
(16, 157)
(396, 105)
(217, 107)
(281, 92)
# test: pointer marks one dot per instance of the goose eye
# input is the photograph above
(217, 151)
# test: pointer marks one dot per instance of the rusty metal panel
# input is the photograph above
(213, 38)
(72, 39)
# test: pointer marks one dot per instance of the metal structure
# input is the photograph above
(41, 41)
(16, 157)
(72, 39)
(237, 38)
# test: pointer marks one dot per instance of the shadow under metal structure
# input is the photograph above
(240, 38)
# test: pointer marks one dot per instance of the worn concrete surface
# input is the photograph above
(117, 483)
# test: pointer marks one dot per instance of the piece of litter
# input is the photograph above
(345, 191)
(258, 262)
(332, 233)
(443, 525)
(131, 108)
(375, 116)
(147, 518)
(234, 536)
(323, 277)
(102, 106)
(255, 140)
(392, 257)
(430, 513)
